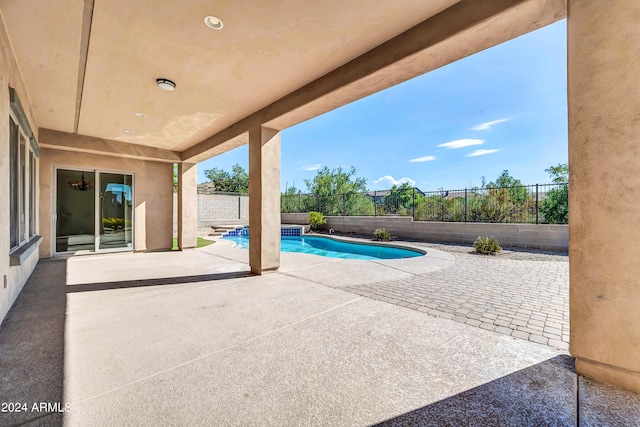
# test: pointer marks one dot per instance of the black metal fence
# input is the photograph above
(535, 204)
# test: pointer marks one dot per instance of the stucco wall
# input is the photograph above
(532, 236)
(15, 276)
(153, 194)
(604, 159)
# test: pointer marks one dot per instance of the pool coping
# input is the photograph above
(357, 271)
(362, 241)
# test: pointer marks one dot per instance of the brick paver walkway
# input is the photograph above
(524, 299)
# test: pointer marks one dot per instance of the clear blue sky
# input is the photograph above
(503, 108)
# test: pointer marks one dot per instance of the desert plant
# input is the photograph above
(381, 235)
(316, 220)
(487, 245)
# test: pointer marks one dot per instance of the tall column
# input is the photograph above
(187, 205)
(604, 182)
(264, 199)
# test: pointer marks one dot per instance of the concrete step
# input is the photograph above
(223, 228)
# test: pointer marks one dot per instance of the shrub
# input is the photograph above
(382, 235)
(555, 207)
(487, 245)
(115, 223)
(316, 220)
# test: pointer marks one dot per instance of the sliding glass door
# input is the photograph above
(75, 216)
(93, 211)
(116, 196)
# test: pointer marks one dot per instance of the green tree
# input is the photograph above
(328, 182)
(505, 200)
(555, 206)
(517, 193)
(291, 200)
(439, 208)
(335, 191)
(401, 199)
(235, 182)
(291, 191)
(559, 174)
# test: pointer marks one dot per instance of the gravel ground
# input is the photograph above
(506, 253)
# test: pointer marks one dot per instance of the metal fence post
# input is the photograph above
(375, 202)
(239, 207)
(465, 205)
(413, 204)
(344, 205)
(318, 203)
(537, 210)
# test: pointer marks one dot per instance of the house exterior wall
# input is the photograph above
(530, 236)
(153, 194)
(15, 276)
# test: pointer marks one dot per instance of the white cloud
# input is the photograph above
(461, 143)
(313, 167)
(482, 152)
(389, 180)
(487, 125)
(423, 159)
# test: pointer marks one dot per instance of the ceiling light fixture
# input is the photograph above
(128, 131)
(81, 184)
(213, 22)
(141, 115)
(166, 84)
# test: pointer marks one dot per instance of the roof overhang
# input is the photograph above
(89, 68)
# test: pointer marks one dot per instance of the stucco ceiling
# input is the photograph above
(266, 50)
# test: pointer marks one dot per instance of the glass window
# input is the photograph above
(23, 175)
(23, 188)
(116, 210)
(32, 194)
(75, 210)
(14, 159)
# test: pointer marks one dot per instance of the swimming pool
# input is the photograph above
(329, 247)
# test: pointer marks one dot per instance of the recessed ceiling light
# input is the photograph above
(213, 22)
(128, 131)
(141, 115)
(166, 84)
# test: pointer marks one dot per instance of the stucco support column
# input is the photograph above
(264, 199)
(187, 205)
(604, 182)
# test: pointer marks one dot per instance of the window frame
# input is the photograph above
(23, 172)
(14, 183)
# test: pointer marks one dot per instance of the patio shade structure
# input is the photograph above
(79, 93)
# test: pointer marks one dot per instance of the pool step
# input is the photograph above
(221, 230)
(285, 231)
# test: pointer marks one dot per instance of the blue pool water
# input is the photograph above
(332, 248)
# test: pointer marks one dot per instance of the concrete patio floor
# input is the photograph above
(190, 338)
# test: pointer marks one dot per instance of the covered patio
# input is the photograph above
(100, 100)
(192, 338)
